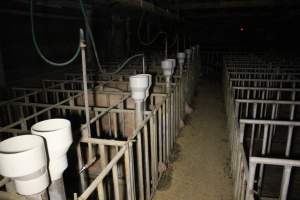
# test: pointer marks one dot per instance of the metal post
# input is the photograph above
(86, 98)
(263, 152)
(289, 141)
(139, 116)
(250, 185)
(291, 128)
(168, 84)
(129, 186)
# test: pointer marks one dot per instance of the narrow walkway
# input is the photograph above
(201, 169)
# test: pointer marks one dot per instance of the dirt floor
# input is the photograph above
(200, 170)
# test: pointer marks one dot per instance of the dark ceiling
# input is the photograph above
(189, 10)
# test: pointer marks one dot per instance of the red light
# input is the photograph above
(242, 28)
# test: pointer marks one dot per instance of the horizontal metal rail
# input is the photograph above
(267, 101)
(270, 122)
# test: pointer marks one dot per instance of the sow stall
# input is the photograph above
(117, 154)
(262, 107)
(113, 123)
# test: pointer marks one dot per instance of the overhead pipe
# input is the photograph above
(23, 159)
(58, 136)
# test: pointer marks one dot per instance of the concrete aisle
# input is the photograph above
(200, 171)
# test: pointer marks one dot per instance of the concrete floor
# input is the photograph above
(201, 168)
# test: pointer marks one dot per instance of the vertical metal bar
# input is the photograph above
(291, 128)
(178, 107)
(272, 129)
(164, 133)
(285, 182)
(171, 121)
(86, 98)
(247, 104)
(155, 145)
(131, 162)
(147, 165)
(103, 156)
(242, 132)
(237, 111)
(116, 182)
(83, 182)
(160, 138)
(36, 117)
(263, 152)
(98, 131)
(250, 185)
(109, 124)
(173, 118)
(10, 120)
(168, 127)
(153, 167)
(139, 115)
(289, 141)
(128, 175)
(100, 190)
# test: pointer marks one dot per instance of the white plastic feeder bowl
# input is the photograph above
(173, 64)
(139, 85)
(24, 160)
(58, 136)
(181, 58)
(149, 84)
(188, 53)
(167, 67)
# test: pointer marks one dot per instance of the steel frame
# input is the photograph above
(115, 156)
(245, 88)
